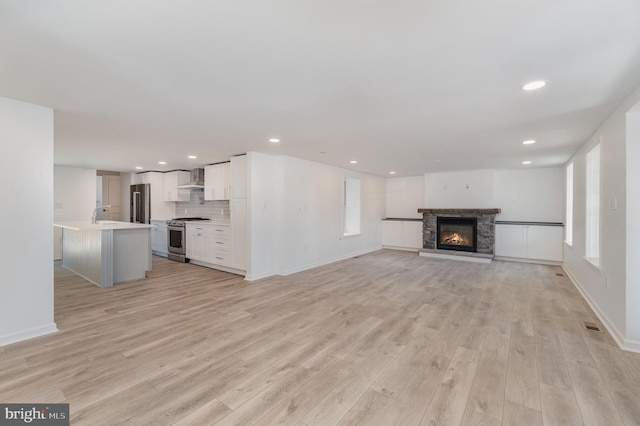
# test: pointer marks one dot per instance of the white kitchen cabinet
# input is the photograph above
(221, 245)
(159, 238)
(216, 182)
(159, 209)
(400, 234)
(238, 207)
(529, 241)
(199, 240)
(170, 185)
(238, 183)
(209, 243)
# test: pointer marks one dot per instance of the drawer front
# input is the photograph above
(221, 258)
(221, 230)
(221, 243)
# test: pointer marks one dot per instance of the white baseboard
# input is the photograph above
(28, 334)
(618, 337)
(411, 249)
(328, 261)
(525, 260)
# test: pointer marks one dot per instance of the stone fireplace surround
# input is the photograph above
(486, 226)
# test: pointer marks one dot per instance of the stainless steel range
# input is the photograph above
(177, 237)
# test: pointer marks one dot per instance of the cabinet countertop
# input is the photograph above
(518, 222)
(209, 222)
(102, 225)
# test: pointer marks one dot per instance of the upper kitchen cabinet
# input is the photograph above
(160, 209)
(171, 182)
(239, 177)
(217, 181)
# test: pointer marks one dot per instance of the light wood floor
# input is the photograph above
(388, 338)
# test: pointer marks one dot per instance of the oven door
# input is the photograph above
(176, 240)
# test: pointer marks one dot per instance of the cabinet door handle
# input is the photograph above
(218, 242)
(219, 258)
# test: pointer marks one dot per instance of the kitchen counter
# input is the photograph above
(102, 225)
(108, 252)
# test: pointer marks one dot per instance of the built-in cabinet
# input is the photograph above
(529, 241)
(401, 234)
(217, 182)
(159, 238)
(170, 185)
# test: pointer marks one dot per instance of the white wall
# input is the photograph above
(296, 215)
(263, 192)
(74, 197)
(468, 189)
(534, 195)
(26, 171)
(633, 229)
(612, 296)
(312, 201)
(531, 195)
(405, 195)
(126, 180)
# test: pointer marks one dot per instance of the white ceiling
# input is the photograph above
(410, 86)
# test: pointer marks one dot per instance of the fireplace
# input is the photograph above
(457, 233)
(485, 228)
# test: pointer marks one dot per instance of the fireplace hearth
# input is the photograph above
(457, 233)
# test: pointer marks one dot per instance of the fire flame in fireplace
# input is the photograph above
(455, 239)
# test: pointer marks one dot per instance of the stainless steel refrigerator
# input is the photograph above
(140, 204)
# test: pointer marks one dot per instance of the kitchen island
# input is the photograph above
(107, 252)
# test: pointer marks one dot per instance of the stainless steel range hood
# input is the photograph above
(196, 180)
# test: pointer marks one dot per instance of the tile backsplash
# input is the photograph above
(197, 207)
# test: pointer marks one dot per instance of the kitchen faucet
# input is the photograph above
(95, 213)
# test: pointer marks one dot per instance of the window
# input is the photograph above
(592, 249)
(568, 221)
(351, 207)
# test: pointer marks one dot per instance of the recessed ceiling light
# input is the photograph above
(138, 167)
(354, 161)
(162, 162)
(529, 142)
(274, 140)
(534, 85)
(392, 173)
(437, 161)
(193, 157)
(526, 162)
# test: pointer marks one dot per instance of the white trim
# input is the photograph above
(618, 337)
(28, 334)
(525, 260)
(328, 261)
(412, 249)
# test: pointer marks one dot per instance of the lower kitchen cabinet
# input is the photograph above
(210, 244)
(159, 238)
(402, 234)
(529, 241)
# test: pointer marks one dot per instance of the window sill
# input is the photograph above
(594, 261)
(350, 234)
(570, 244)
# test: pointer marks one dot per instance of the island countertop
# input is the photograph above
(102, 225)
